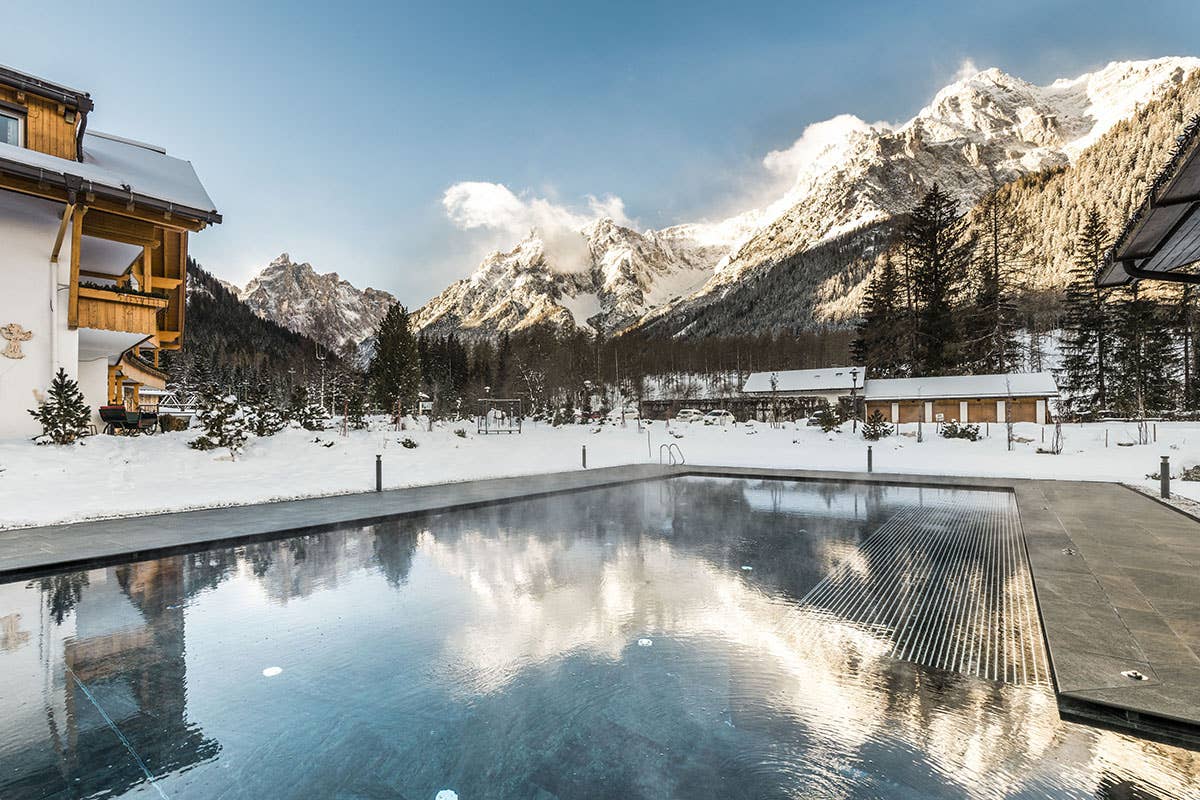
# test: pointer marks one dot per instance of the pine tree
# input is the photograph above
(63, 415)
(876, 427)
(301, 410)
(224, 423)
(266, 418)
(938, 252)
(395, 371)
(1183, 319)
(356, 411)
(882, 332)
(1144, 359)
(1086, 323)
(990, 342)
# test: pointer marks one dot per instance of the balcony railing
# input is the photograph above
(109, 310)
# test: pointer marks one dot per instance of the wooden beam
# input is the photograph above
(73, 286)
(68, 211)
(103, 225)
(147, 279)
(88, 273)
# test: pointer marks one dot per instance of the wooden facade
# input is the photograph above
(978, 409)
(50, 127)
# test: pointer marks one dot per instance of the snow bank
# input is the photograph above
(114, 476)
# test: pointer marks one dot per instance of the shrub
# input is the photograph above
(460, 433)
(953, 430)
(408, 443)
(827, 418)
(265, 418)
(225, 425)
(876, 427)
(64, 415)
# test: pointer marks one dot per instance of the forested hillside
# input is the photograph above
(1112, 175)
(228, 344)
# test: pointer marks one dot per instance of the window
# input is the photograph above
(12, 128)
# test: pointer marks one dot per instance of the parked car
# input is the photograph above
(720, 417)
(689, 415)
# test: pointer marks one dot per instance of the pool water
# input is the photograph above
(689, 638)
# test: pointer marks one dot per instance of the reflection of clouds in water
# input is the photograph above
(537, 600)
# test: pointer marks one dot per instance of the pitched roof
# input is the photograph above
(1017, 384)
(1164, 233)
(805, 380)
(120, 168)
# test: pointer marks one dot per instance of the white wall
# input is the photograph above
(27, 230)
(93, 382)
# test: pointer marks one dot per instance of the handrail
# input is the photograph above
(671, 449)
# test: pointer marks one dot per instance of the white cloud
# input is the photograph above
(966, 69)
(493, 207)
(821, 144)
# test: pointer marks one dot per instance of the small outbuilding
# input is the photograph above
(798, 392)
(1015, 397)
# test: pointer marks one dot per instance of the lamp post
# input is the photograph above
(854, 398)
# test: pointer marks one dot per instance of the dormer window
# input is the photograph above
(12, 127)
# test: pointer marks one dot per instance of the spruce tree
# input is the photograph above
(395, 371)
(1144, 359)
(63, 415)
(224, 423)
(876, 427)
(990, 341)
(938, 251)
(356, 411)
(882, 334)
(265, 418)
(1086, 323)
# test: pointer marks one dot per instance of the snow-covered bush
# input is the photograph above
(266, 418)
(827, 418)
(407, 443)
(308, 415)
(225, 425)
(876, 427)
(63, 415)
(460, 433)
(953, 430)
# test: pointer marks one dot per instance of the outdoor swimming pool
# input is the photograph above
(694, 637)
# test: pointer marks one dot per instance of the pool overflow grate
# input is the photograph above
(947, 585)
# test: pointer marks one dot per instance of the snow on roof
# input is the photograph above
(1017, 384)
(124, 165)
(804, 380)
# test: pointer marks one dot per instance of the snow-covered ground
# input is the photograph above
(113, 475)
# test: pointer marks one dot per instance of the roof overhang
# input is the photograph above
(1162, 239)
(71, 188)
(30, 84)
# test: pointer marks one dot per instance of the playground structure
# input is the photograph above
(498, 415)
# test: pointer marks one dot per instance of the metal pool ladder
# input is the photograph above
(668, 453)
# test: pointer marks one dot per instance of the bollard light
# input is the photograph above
(378, 472)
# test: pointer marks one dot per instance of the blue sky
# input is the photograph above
(333, 130)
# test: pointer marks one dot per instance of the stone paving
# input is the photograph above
(1116, 573)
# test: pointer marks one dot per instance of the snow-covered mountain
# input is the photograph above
(629, 274)
(323, 307)
(983, 130)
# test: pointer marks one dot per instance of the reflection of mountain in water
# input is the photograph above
(497, 647)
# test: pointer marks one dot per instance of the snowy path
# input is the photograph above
(114, 476)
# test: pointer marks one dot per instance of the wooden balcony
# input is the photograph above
(107, 310)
